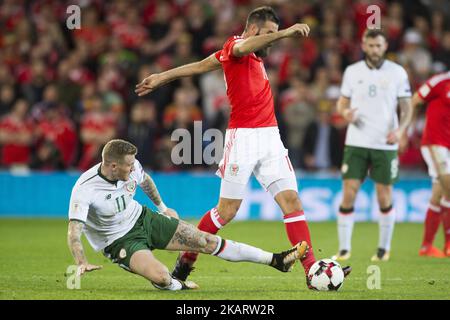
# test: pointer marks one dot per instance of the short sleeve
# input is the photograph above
(346, 88)
(226, 54)
(429, 90)
(217, 55)
(79, 204)
(138, 173)
(404, 88)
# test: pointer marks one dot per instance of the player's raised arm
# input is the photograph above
(156, 80)
(76, 247)
(255, 43)
(150, 189)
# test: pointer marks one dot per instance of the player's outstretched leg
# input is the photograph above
(211, 223)
(189, 238)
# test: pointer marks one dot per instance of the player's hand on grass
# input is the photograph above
(148, 84)
(86, 267)
(297, 30)
(171, 213)
(350, 115)
(394, 136)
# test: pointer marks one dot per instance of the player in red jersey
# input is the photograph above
(252, 140)
(436, 152)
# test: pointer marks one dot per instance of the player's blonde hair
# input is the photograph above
(115, 150)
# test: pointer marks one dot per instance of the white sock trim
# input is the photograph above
(445, 203)
(215, 218)
(434, 208)
(295, 219)
(219, 243)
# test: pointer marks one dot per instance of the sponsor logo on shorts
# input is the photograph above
(344, 168)
(234, 169)
(122, 253)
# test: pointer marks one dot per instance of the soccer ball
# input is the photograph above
(326, 275)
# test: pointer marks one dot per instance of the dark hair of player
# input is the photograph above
(115, 150)
(373, 33)
(261, 15)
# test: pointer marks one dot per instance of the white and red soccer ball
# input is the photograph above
(326, 275)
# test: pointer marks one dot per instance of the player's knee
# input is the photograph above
(349, 195)
(384, 199)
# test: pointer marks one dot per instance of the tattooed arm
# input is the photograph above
(76, 247)
(149, 187)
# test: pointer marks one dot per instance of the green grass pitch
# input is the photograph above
(34, 257)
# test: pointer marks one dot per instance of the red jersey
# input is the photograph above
(436, 92)
(15, 153)
(248, 88)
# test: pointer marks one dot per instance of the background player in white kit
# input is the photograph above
(370, 92)
(102, 205)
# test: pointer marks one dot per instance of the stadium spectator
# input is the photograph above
(98, 126)
(143, 130)
(16, 136)
(321, 146)
(183, 111)
(298, 112)
(56, 128)
(215, 101)
(414, 55)
(7, 98)
(443, 53)
(119, 43)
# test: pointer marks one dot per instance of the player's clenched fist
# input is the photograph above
(148, 84)
(297, 30)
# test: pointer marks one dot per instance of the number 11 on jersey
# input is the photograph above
(118, 203)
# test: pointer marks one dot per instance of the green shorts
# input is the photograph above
(151, 231)
(382, 165)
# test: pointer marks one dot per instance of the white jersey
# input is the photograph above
(107, 208)
(375, 93)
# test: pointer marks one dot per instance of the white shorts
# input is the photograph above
(254, 150)
(437, 159)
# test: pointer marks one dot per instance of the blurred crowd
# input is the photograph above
(64, 93)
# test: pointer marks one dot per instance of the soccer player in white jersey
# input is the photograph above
(370, 93)
(102, 206)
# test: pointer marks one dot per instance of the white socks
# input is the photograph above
(345, 222)
(386, 225)
(236, 251)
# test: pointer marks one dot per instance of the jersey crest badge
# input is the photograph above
(131, 186)
(234, 169)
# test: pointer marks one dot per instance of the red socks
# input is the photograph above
(297, 230)
(211, 223)
(445, 206)
(432, 222)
